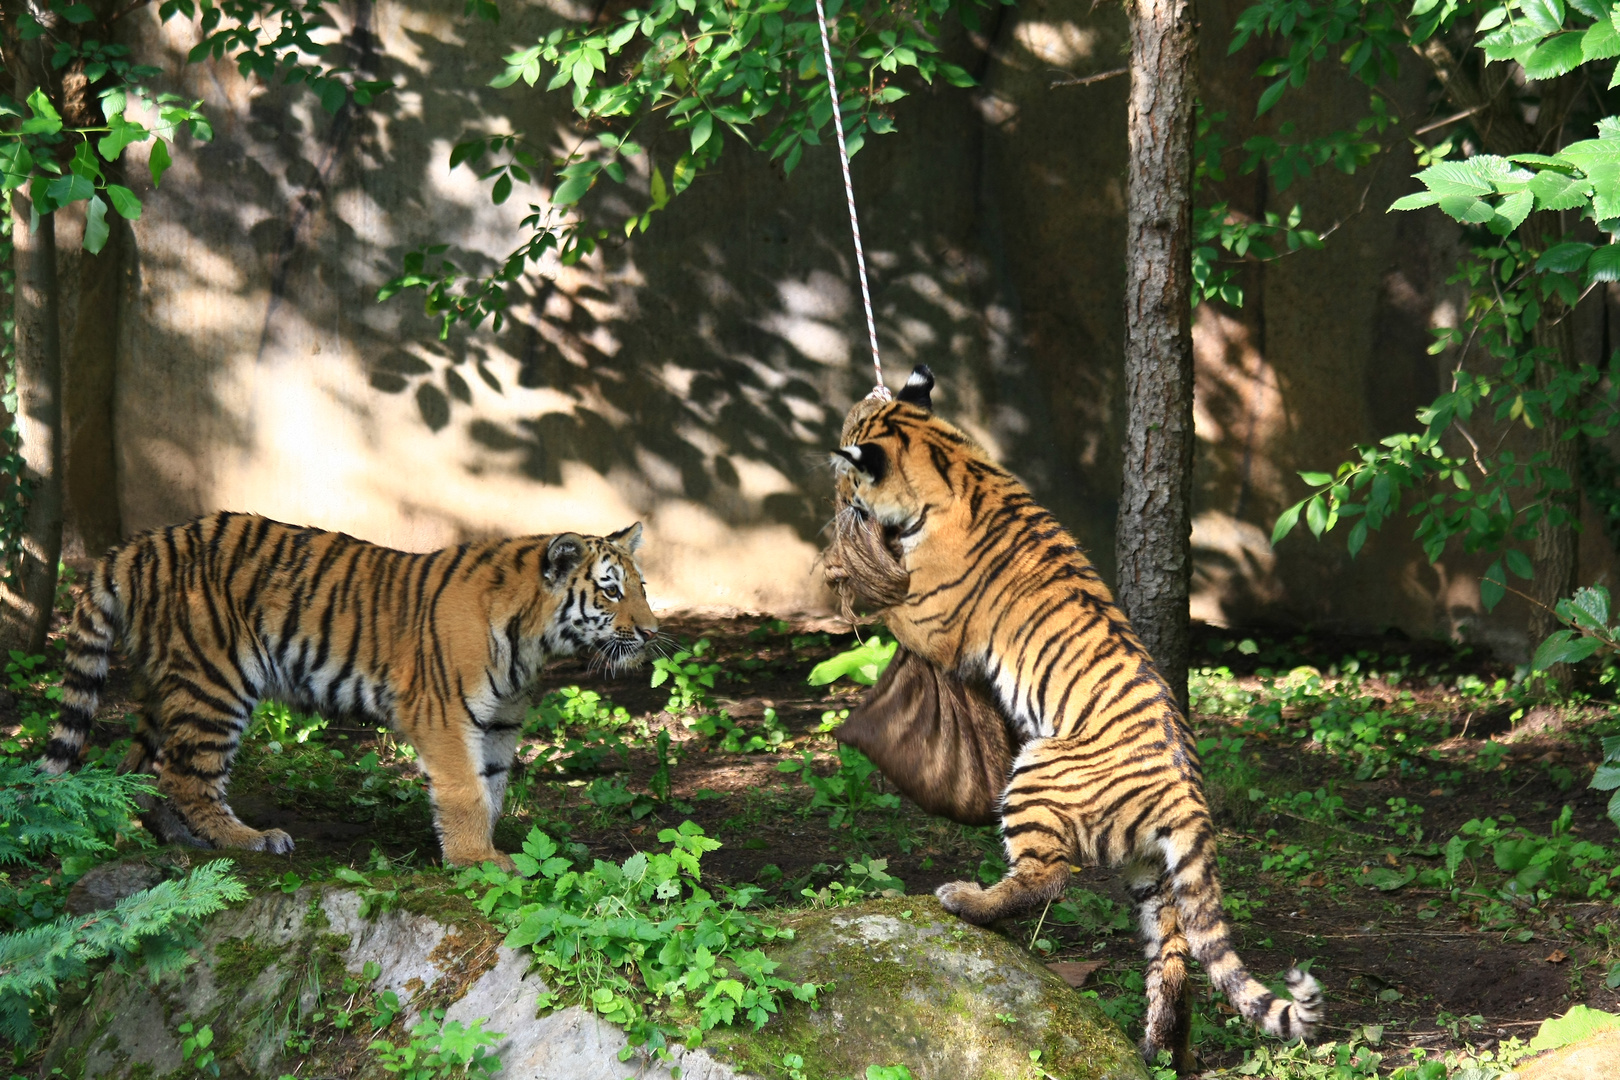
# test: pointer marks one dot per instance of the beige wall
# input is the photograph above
(693, 378)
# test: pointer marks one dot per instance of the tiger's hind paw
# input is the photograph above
(166, 824)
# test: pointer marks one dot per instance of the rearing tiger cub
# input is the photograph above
(998, 594)
(222, 612)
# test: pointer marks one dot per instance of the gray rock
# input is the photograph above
(103, 886)
(913, 986)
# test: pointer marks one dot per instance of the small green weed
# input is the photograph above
(689, 676)
(863, 879)
(440, 1051)
(195, 1048)
(863, 664)
(640, 943)
(845, 794)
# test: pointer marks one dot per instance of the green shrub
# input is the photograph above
(641, 943)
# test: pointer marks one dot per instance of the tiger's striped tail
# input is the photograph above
(97, 626)
(1198, 902)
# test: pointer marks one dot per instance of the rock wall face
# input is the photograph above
(914, 987)
(693, 378)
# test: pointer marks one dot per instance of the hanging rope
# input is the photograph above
(879, 391)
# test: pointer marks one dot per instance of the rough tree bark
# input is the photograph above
(1154, 529)
(28, 591)
(27, 595)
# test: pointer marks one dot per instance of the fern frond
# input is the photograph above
(149, 928)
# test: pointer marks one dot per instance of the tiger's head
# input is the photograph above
(602, 610)
(900, 463)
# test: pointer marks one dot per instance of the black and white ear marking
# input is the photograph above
(629, 539)
(868, 457)
(562, 555)
(919, 388)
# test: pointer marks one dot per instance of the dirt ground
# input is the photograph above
(1409, 967)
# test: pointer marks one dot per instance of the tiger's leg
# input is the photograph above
(1041, 839)
(453, 757)
(499, 748)
(1168, 1025)
(158, 815)
(201, 731)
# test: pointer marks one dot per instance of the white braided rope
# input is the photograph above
(879, 391)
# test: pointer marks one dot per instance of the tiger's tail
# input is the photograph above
(1198, 903)
(98, 620)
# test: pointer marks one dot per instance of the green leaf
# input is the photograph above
(702, 128)
(1590, 607)
(1316, 479)
(1271, 96)
(159, 162)
(16, 163)
(1316, 515)
(1493, 586)
(1467, 209)
(1545, 15)
(1575, 1025)
(1604, 265)
(1555, 190)
(1556, 56)
(1563, 258)
(1511, 212)
(862, 664)
(1415, 201)
(1286, 522)
(1563, 647)
(571, 190)
(69, 188)
(1388, 880)
(1606, 778)
(45, 120)
(1519, 563)
(684, 173)
(1357, 537)
(77, 14)
(1601, 41)
(124, 201)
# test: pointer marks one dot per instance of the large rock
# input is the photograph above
(920, 988)
(914, 987)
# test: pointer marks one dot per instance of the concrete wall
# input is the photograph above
(694, 378)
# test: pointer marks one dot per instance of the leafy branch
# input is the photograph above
(702, 69)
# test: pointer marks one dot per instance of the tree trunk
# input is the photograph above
(28, 593)
(1154, 531)
(1554, 554)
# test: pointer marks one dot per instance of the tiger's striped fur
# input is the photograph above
(220, 613)
(998, 591)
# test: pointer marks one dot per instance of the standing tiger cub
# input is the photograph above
(996, 594)
(220, 613)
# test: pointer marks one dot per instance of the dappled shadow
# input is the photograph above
(698, 373)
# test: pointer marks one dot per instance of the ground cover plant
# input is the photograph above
(1416, 823)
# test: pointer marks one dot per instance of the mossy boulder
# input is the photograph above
(914, 987)
(917, 987)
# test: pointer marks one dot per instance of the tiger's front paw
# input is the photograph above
(479, 858)
(961, 898)
(275, 842)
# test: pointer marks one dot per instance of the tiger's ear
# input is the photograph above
(629, 539)
(919, 388)
(562, 555)
(868, 457)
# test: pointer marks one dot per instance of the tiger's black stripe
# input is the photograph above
(221, 612)
(999, 591)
